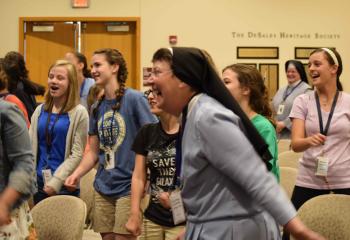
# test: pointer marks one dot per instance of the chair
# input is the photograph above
(283, 145)
(328, 215)
(87, 193)
(287, 179)
(60, 217)
(289, 159)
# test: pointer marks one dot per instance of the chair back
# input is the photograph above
(288, 177)
(289, 159)
(328, 215)
(283, 145)
(60, 217)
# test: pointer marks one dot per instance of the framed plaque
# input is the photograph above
(257, 52)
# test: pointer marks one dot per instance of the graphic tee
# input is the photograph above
(159, 149)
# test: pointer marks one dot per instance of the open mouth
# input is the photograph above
(315, 75)
(54, 88)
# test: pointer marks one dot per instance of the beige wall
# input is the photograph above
(204, 23)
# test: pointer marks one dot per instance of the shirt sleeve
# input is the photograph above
(139, 145)
(94, 118)
(299, 109)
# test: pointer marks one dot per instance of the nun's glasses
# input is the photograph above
(157, 72)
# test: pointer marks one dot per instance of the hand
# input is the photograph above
(134, 225)
(299, 231)
(71, 182)
(5, 218)
(49, 191)
(164, 199)
(308, 235)
(181, 235)
(316, 140)
(280, 126)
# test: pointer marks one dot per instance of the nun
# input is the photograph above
(224, 183)
(283, 100)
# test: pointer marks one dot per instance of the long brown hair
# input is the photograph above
(72, 95)
(251, 78)
(113, 56)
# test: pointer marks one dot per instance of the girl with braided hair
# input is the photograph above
(114, 123)
(246, 85)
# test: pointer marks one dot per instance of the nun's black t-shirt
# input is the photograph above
(159, 149)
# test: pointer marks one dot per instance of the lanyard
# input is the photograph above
(285, 95)
(49, 132)
(324, 131)
(82, 88)
(110, 129)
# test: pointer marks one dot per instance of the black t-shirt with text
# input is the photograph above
(159, 149)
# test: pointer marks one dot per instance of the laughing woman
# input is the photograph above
(58, 132)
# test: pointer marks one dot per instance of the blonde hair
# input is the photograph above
(72, 91)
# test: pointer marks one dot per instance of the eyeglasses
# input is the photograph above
(157, 72)
(147, 93)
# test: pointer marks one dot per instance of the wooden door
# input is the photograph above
(270, 74)
(96, 36)
(44, 46)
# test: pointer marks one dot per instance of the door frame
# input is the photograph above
(136, 20)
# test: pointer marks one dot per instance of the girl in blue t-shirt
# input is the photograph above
(58, 131)
(114, 123)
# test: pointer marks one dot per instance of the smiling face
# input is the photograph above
(153, 103)
(165, 86)
(320, 70)
(292, 74)
(58, 82)
(102, 71)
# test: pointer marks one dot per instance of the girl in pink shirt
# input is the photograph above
(321, 128)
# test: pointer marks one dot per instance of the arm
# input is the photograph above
(137, 188)
(240, 163)
(87, 163)
(76, 153)
(7, 198)
(300, 231)
(17, 148)
(299, 142)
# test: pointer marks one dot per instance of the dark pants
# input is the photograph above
(41, 195)
(301, 195)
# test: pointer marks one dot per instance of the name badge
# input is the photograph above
(322, 166)
(109, 160)
(177, 207)
(280, 109)
(47, 175)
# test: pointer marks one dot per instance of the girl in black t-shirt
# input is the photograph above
(155, 151)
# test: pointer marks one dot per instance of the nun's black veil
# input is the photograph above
(191, 66)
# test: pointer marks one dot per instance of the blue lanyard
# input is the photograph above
(49, 132)
(325, 131)
(285, 95)
(110, 129)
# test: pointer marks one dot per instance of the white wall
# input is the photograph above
(206, 24)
